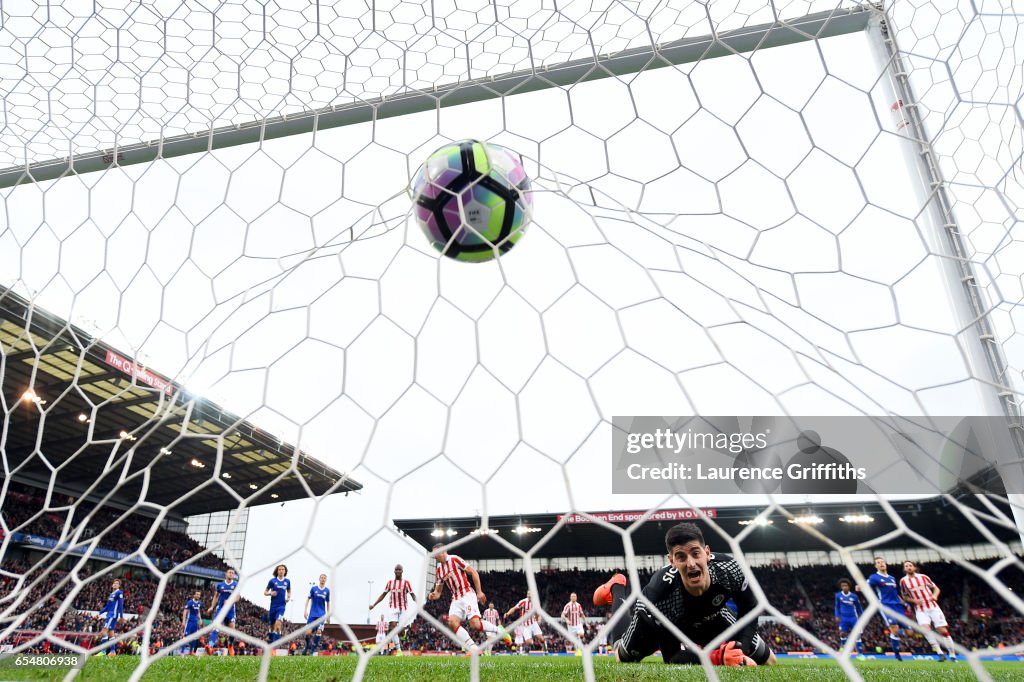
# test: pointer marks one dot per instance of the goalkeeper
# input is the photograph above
(691, 592)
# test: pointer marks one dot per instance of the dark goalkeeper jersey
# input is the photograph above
(703, 618)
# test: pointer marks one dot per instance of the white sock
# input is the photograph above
(947, 641)
(933, 641)
(464, 636)
(489, 627)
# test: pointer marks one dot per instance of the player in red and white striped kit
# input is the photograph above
(382, 631)
(572, 614)
(399, 612)
(454, 572)
(531, 628)
(492, 616)
(919, 590)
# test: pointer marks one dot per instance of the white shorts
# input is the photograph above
(403, 618)
(576, 630)
(380, 638)
(519, 635)
(531, 631)
(465, 608)
(932, 616)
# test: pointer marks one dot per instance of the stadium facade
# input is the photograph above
(87, 421)
(804, 534)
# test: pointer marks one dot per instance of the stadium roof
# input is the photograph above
(935, 519)
(75, 403)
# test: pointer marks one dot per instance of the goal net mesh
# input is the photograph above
(739, 208)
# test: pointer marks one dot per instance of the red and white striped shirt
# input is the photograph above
(398, 599)
(382, 626)
(491, 616)
(523, 606)
(453, 574)
(919, 587)
(573, 612)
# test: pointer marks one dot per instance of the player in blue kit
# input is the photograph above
(111, 613)
(225, 603)
(848, 610)
(318, 608)
(190, 620)
(279, 589)
(887, 589)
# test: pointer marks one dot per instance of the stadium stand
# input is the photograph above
(79, 624)
(99, 402)
(121, 532)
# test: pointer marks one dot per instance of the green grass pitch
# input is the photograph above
(501, 669)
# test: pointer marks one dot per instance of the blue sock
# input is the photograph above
(895, 642)
(213, 639)
(274, 637)
(860, 647)
(842, 641)
(316, 644)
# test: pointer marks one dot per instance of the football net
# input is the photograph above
(737, 209)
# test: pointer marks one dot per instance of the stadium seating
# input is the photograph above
(23, 512)
(122, 533)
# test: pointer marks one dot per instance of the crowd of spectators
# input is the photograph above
(25, 510)
(961, 592)
(40, 595)
(36, 595)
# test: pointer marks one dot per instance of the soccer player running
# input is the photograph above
(531, 628)
(848, 610)
(454, 572)
(190, 620)
(317, 613)
(112, 613)
(225, 603)
(888, 594)
(398, 590)
(279, 589)
(919, 590)
(691, 593)
(572, 614)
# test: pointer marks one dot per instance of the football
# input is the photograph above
(472, 200)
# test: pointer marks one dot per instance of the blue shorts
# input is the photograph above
(110, 622)
(191, 628)
(320, 621)
(276, 613)
(847, 624)
(230, 617)
(889, 612)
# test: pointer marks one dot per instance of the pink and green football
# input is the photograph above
(472, 200)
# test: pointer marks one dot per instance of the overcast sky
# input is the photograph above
(743, 243)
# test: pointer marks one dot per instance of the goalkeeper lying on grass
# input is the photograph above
(691, 592)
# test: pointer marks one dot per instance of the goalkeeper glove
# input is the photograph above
(730, 653)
